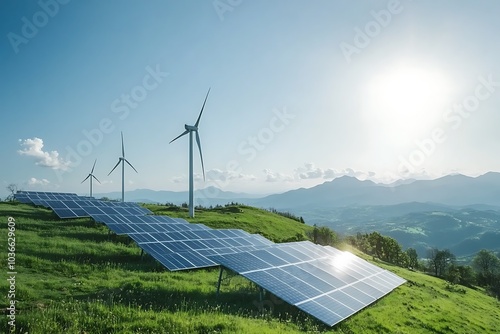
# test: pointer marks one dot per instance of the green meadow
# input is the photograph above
(74, 276)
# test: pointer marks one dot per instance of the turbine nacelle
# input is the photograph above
(190, 127)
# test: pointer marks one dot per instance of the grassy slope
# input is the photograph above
(74, 277)
(253, 220)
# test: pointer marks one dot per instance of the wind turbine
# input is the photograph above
(190, 129)
(122, 160)
(91, 176)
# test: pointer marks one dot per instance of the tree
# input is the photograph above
(325, 236)
(403, 260)
(12, 188)
(440, 260)
(487, 265)
(453, 274)
(315, 234)
(391, 250)
(377, 244)
(467, 277)
(412, 258)
(494, 288)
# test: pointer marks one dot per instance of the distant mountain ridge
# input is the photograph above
(453, 190)
(207, 196)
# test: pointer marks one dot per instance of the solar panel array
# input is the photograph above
(67, 205)
(324, 282)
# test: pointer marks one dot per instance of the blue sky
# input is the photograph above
(301, 91)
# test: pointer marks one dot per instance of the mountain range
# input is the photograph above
(458, 212)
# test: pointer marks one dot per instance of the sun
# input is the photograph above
(405, 102)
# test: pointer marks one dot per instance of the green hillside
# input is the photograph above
(73, 276)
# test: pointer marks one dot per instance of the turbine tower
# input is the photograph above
(91, 176)
(122, 160)
(190, 129)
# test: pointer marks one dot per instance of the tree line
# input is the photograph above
(484, 270)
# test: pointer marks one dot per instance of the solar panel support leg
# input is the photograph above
(142, 253)
(220, 279)
(261, 294)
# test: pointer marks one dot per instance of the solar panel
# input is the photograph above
(79, 206)
(329, 284)
(188, 249)
(22, 197)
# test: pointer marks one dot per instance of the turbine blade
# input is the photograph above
(201, 112)
(182, 134)
(123, 147)
(95, 178)
(114, 167)
(93, 166)
(201, 155)
(131, 165)
(86, 178)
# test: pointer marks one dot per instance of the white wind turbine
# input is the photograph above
(91, 176)
(190, 129)
(122, 160)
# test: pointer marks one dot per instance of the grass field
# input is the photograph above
(73, 276)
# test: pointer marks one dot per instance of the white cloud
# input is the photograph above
(310, 171)
(35, 182)
(217, 175)
(178, 179)
(220, 175)
(272, 176)
(34, 148)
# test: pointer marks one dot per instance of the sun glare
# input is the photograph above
(342, 261)
(406, 102)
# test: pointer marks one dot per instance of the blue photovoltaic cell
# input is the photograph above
(295, 282)
(320, 312)
(335, 306)
(196, 260)
(352, 303)
(64, 213)
(56, 204)
(310, 278)
(272, 284)
(378, 284)
(268, 258)
(358, 295)
(41, 202)
(140, 237)
(321, 274)
(287, 257)
(23, 198)
(368, 289)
